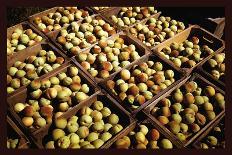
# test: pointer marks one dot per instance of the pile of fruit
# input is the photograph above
(90, 128)
(142, 138)
(143, 81)
(22, 73)
(59, 18)
(58, 93)
(108, 57)
(188, 53)
(188, 109)
(216, 66)
(216, 137)
(131, 15)
(155, 31)
(20, 39)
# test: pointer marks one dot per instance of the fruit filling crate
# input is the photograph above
(94, 124)
(190, 48)
(214, 69)
(60, 91)
(189, 109)
(32, 64)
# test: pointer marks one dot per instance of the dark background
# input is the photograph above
(19, 14)
(193, 15)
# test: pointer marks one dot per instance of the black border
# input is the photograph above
(167, 3)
